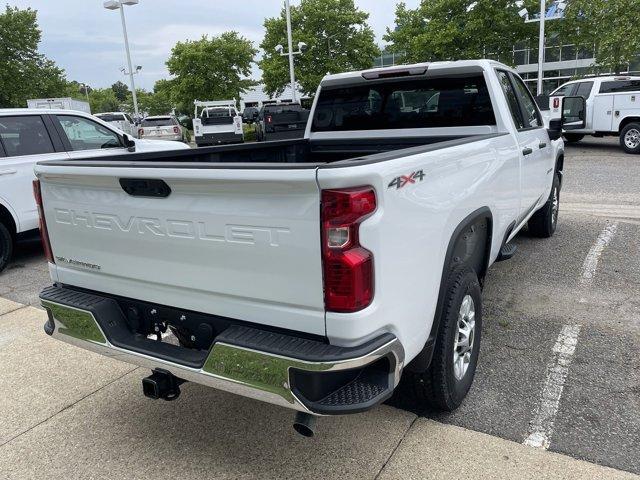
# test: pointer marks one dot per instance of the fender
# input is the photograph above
(478, 259)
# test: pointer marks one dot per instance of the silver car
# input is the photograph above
(164, 127)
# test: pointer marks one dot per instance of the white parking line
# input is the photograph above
(557, 371)
(593, 257)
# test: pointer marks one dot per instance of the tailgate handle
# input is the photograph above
(145, 187)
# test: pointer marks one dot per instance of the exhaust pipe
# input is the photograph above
(161, 385)
(305, 424)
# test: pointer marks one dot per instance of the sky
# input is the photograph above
(86, 39)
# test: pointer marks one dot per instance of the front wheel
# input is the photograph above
(453, 366)
(630, 138)
(543, 223)
(6, 246)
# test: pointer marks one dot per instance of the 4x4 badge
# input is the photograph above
(404, 180)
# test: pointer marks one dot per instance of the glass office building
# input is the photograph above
(562, 63)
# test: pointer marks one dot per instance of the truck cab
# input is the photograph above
(612, 108)
(217, 123)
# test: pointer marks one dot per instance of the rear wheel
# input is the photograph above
(449, 377)
(573, 137)
(543, 223)
(6, 246)
(630, 138)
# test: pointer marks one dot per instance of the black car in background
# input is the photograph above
(281, 122)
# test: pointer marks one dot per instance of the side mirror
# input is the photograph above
(555, 129)
(129, 143)
(573, 113)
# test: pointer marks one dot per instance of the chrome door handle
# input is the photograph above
(527, 151)
(543, 145)
(8, 171)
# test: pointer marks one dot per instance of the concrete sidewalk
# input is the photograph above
(67, 413)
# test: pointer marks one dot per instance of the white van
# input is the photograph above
(613, 108)
(216, 123)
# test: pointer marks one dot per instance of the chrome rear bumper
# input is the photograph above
(250, 372)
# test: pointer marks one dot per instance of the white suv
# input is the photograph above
(28, 136)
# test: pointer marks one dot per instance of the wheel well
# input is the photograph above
(560, 163)
(7, 220)
(627, 121)
(470, 245)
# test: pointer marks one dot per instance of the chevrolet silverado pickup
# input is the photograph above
(309, 273)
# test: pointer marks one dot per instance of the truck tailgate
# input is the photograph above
(240, 243)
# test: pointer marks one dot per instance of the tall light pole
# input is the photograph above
(302, 47)
(559, 12)
(119, 5)
(85, 87)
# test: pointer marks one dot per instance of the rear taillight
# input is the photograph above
(176, 130)
(44, 233)
(140, 132)
(348, 267)
(269, 118)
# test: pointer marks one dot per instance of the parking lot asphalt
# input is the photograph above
(560, 361)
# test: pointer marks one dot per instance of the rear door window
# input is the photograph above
(426, 103)
(512, 99)
(530, 110)
(24, 135)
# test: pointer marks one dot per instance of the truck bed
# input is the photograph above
(299, 153)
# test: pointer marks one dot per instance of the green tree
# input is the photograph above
(609, 26)
(103, 100)
(24, 72)
(157, 102)
(338, 38)
(459, 29)
(215, 68)
(120, 90)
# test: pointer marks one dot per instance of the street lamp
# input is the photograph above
(556, 14)
(119, 5)
(85, 87)
(302, 47)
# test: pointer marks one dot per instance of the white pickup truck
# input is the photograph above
(218, 122)
(612, 108)
(310, 273)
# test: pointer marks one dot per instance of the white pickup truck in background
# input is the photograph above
(310, 273)
(612, 109)
(216, 123)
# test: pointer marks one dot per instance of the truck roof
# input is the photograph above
(41, 111)
(425, 67)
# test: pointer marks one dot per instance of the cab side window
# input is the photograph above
(512, 100)
(85, 134)
(24, 135)
(530, 110)
(584, 89)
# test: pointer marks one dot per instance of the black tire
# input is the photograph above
(6, 246)
(543, 223)
(573, 137)
(632, 131)
(439, 387)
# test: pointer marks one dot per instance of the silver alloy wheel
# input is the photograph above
(464, 337)
(632, 138)
(555, 205)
